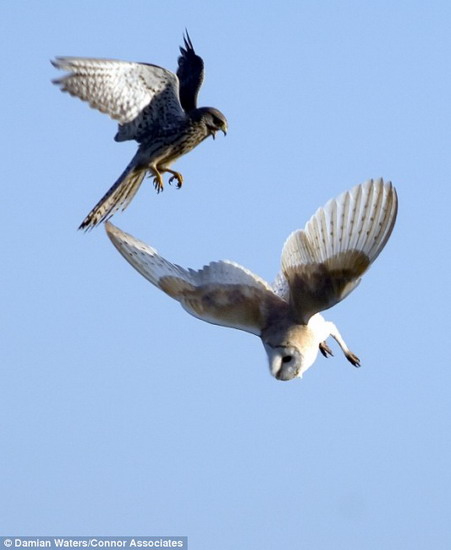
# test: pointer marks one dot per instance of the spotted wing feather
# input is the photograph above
(137, 95)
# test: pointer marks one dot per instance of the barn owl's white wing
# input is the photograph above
(323, 263)
(122, 89)
(223, 293)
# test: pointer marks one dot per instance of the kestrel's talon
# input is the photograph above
(176, 176)
(158, 184)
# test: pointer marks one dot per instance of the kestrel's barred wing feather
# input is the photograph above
(190, 73)
(324, 262)
(223, 293)
(135, 94)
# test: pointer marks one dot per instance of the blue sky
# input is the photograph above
(122, 415)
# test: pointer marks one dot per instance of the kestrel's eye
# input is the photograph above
(287, 358)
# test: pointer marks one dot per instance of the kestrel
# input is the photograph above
(321, 265)
(154, 106)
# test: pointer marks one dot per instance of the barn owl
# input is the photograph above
(321, 264)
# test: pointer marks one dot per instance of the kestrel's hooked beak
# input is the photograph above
(223, 130)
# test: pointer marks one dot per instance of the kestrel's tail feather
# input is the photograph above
(118, 197)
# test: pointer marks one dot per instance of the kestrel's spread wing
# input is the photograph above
(190, 73)
(323, 263)
(137, 95)
(223, 293)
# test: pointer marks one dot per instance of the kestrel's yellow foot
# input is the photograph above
(158, 182)
(176, 176)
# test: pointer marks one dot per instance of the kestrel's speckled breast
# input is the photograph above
(170, 144)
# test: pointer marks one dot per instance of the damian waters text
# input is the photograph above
(94, 542)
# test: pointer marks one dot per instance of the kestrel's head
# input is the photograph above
(213, 119)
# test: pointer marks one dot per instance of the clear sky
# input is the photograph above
(121, 414)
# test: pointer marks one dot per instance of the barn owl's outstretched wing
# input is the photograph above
(223, 293)
(323, 263)
(136, 93)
